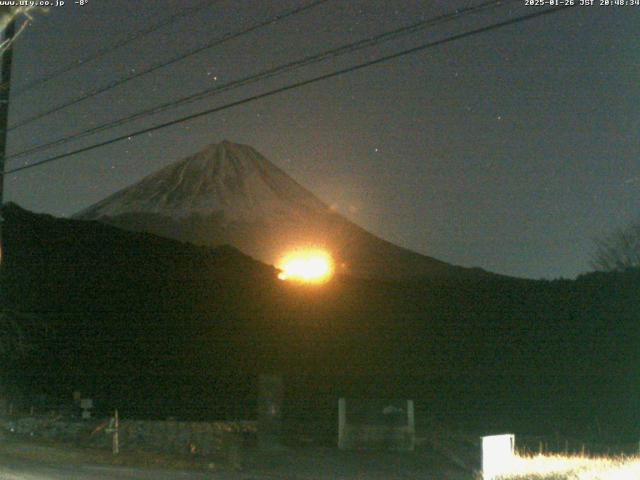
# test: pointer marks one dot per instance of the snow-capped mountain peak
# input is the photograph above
(228, 179)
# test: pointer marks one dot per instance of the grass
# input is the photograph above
(578, 467)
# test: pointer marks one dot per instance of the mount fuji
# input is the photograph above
(230, 194)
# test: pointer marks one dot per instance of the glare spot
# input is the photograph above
(307, 266)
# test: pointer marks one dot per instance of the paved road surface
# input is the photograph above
(27, 470)
(33, 462)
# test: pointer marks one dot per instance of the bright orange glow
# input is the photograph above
(308, 266)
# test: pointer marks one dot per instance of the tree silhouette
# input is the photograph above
(618, 251)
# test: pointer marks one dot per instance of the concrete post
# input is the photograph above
(270, 400)
(116, 434)
(342, 422)
(411, 425)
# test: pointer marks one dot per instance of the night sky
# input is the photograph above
(510, 150)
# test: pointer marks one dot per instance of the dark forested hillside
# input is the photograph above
(165, 328)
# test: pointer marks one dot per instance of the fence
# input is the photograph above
(175, 437)
(386, 424)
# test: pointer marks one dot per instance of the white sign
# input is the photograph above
(497, 455)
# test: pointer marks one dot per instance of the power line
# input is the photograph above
(104, 51)
(194, 51)
(304, 62)
(295, 85)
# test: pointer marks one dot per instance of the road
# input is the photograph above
(19, 469)
(30, 461)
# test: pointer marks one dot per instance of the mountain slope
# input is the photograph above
(231, 194)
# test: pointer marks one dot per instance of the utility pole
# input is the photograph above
(5, 90)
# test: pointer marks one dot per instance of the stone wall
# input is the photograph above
(175, 437)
